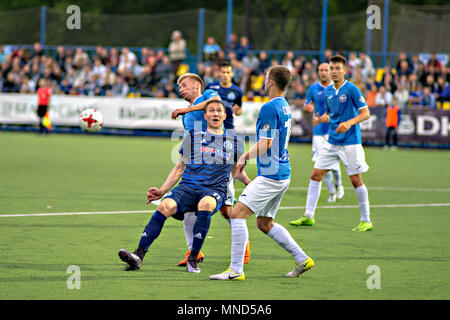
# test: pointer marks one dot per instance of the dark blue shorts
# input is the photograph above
(187, 198)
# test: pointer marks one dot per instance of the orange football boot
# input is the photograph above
(183, 262)
(247, 253)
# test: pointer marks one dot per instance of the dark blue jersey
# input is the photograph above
(229, 96)
(209, 159)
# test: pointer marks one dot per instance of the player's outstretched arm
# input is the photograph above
(197, 107)
(363, 115)
(173, 177)
(241, 176)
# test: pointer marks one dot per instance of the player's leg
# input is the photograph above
(317, 143)
(206, 208)
(327, 160)
(188, 227)
(338, 182)
(312, 197)
(226, 209)
(353, 159)
(165, 209)
(278, 233)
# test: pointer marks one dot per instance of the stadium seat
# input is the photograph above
(446, 105)
(182, 69)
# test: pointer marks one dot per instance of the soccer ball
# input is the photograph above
(91, 120)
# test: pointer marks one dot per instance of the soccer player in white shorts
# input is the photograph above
(263, 195)
(315, 102)
(345, 109)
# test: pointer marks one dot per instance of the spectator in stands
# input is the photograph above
(434, 61)
(372, 94)
(299, 96)
(163, 72)
(367, 69)
(352, 63)
(383, 97)
(232, 44)
(251, 61)
(402, 96)
(245, 80)
(81, 58)
(99, 69)
(210, 50)
(10, 85)
(428, 100)
(177, 50)
(403, 59)
(404, 68)
(441, 90)
(243, 48)
(37, 50)
(120, 87)
(264, 63)
(415, 92)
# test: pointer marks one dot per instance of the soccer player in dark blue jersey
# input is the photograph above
(231, 96)
(206, 161)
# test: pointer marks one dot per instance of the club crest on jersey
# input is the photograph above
(227, 145)
(343, 98)
(231, 96)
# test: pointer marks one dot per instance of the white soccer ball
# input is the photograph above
(91, 120)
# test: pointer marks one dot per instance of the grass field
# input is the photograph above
(109, 174)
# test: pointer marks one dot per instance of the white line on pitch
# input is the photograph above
(281, 208)
(378, 189)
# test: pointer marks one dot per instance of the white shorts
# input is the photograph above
(263, 195)
(317, 144)
(229, 200)
(352, 157)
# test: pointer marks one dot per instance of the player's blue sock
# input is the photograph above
(201, 228)
(152, 230)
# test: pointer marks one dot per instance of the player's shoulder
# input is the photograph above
(352, 87)
(213, 85)
(236, 88)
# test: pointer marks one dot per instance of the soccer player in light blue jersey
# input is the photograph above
(263, 195)
(345, 109)
(206, 160)
(315, 102)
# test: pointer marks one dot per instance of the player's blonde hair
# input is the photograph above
(194, 76)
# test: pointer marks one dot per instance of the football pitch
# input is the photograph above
(68, 203)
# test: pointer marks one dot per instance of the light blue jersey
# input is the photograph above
(341, 105)
(193, 117)
(315, 94)
(274, 122)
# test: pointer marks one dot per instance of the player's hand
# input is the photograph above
(240, 165)
(236, 110)
(343, 127)
(178, 112)
(308, 107)
(153, 194)
(316, 120)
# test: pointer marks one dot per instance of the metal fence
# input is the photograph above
(412, 29)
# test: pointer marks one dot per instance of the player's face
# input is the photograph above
(324, 72)
(226, 74)
(215, 115)
(337, 71)
(189, 88)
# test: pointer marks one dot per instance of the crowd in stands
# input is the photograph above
(153, 73)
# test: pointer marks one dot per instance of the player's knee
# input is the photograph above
(356, 180)
(317, 175)
(167, 207)
(225, 211)
(207, 204)
(264, 224)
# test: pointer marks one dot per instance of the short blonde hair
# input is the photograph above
(194, 76)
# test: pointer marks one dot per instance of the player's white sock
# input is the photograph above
(363, 202)
(188, 225)
(337, 177)
(239, 238)
(285, 240)
(328, 180)
(312, 198)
